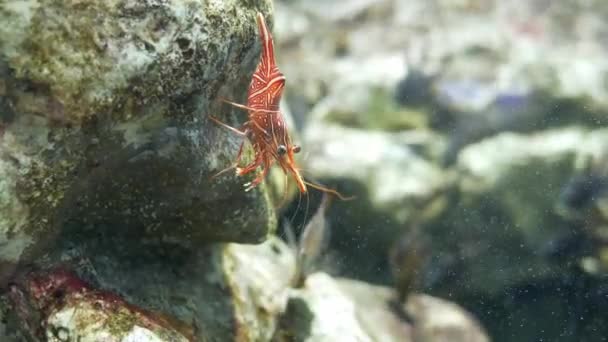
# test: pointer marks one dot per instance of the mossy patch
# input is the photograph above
(121, 322)
(95, 55)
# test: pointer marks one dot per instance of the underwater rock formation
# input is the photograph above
(104, 108)
(469, 69)
(242, 293)
(259, 278)
(55, 305)
(327, 309)
(437, 320)
(222, 292)
(504, 236)
(488, 204)
(471, 54)
(393, 177)
(105, 159)
(491, 222)
(110, 227)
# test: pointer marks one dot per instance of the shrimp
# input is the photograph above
(265, 128)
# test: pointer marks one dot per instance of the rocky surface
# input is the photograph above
(470, 132)
(223, 292)
(530, 172)
(105, 158)
(259, 278)
(327, 309)
(463, 127)
(242, 293)
(391, 175)
(104, 121)
(55, 305)
(513, 235)
(438, 320)
(472, 53)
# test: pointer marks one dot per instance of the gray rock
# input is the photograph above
(320, 311)
(259, 278)
(493, 66)
(221, 292)
(104, 108)
(500, 231)
(328, 309)
(394, 179)
(56, 306)
(437, 320)
(470, 70)
(391, 166)
(4, 334)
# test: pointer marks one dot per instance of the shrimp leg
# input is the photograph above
(238, 105)
(235, 130)
(234, 165)
(250, 185)
(241, 171)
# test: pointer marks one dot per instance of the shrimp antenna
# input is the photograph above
(330, 191)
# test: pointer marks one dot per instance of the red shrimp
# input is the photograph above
(265, 127)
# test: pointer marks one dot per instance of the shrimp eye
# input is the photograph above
(296, 148)
(281, 150)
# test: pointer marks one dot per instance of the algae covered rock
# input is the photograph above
(96, 53)
(222, 292)
(104, 116)
(5, 335)
(55, 305)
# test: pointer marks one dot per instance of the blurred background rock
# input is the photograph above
(473, 133)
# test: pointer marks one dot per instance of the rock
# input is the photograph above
(109, 50)
(238, 294)
(484, 68)
(4, 334)
(328, 309)
(321, 312)
(104, 111)
(378, 312)
(394, 179)
(501, 230)
(392, 167)
(67, 308)
(437, 320)
(494, 232)
(259, 277)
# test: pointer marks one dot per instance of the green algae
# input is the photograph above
(95, 64)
